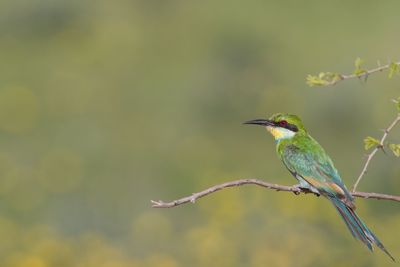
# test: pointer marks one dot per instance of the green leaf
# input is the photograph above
(397, 102)
(313, 80)
(358, 70)
(370, 142)
(323, 79)
(395, 149)
(358, 62)
(393, 69)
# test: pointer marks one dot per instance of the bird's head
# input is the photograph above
(281, 126)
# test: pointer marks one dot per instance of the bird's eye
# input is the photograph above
(283, 123)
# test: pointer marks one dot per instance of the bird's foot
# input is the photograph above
(299, 188)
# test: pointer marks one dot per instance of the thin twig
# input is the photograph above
(373, 152)
(331, 78)
(277, 187)
(365, 74)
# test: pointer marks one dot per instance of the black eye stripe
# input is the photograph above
(292, 127)
(288, 126)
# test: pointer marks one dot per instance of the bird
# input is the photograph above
(308, 162)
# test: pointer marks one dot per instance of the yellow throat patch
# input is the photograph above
(280, 133)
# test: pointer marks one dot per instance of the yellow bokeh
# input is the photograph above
(209, 246)
(19, 109)
(28, 261)
(160, 260)
(151, 227)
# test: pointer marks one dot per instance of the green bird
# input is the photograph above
(307, 161)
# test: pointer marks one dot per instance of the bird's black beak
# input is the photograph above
(262, 122)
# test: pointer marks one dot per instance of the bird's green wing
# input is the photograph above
(313, 165)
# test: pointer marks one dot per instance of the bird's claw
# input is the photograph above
(297, 189)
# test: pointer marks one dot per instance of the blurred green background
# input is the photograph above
(105, 105)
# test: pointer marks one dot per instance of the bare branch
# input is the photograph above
(373, 152)
(277, 187)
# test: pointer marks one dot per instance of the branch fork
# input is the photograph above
(381, 145)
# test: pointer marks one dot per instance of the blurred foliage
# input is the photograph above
(395, 149)
(105, 105)
(393, 69)
(358, 67)
(370, 142)
(323, 79)
(331, 78)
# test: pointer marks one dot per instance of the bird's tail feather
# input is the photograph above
(357, 227)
